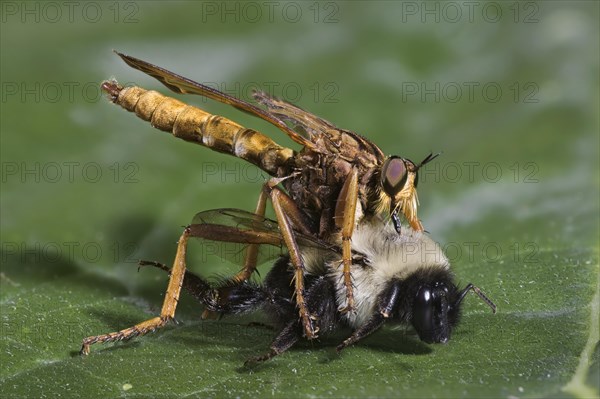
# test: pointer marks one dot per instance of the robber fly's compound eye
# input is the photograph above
(393, 175)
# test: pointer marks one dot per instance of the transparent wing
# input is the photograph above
(303, 121)
(317, 129)
(180, 84)
(234, 229)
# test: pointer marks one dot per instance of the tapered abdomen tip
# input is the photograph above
(112, 88)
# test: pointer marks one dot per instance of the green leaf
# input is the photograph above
(88, 189)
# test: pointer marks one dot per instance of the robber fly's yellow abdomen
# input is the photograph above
(195, 125)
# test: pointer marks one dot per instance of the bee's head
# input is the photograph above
(399, 180)
(436, 309)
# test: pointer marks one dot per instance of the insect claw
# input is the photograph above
(310, 331)
(85, 350)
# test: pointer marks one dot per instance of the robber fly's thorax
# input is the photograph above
(320, 175)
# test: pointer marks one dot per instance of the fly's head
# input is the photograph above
(399, 180)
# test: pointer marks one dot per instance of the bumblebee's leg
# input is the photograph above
(229, 297)
(192, 283)
(284, 341)
(320, 300)
(372, 325)
(287, 215)
(169, 305)
(386, 302)
(345, 214)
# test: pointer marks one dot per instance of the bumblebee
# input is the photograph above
(398, 278)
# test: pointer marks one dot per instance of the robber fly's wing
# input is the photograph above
(235, 225)
(240, 227)
(317, 129)
(307, 123)
(182, 85)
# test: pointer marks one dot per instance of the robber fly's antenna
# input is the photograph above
(428, 159)
(479, 293)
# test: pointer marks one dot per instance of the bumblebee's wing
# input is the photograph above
(180, 84)
(235, 226)
(308, 124)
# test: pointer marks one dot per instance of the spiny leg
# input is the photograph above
(320, 300)
(225, 297)
(244, 297)
(372, 325)
(289, 218)
(345, 215)
(168, 309)
(286, 338)
(287, 213)
(192, 283)
(251, 256)
(296, 219)
(387, 301)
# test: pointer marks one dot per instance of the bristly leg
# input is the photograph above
(169, 305)
(287, 212)
(386, 303)
(231, 296)
(192, 283)
(345, 212)
(372, 325)
(320, 300)
(228, 296)
(284, 340)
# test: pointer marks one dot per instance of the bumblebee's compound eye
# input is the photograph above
(423, 314)
(393, 175)
(430, 314)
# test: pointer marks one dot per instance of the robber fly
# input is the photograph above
(399, 278)
(336, 179)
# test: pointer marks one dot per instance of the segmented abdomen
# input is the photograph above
(195, 125)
